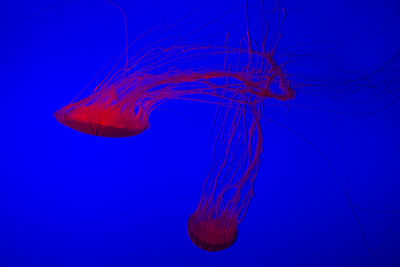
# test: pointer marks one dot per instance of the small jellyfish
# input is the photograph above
(229, 186)
(228, 189)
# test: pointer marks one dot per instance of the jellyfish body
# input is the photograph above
(102, 119)
(212, 233)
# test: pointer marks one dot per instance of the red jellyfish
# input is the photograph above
(120, 106)
(228, 189)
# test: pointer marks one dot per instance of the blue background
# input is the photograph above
(70, 199)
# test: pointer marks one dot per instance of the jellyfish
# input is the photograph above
(229, 186)
(121, 104)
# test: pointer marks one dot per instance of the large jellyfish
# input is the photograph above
(121, 104)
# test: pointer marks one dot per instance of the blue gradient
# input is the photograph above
(70, 199)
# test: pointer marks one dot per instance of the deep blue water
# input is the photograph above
(70, 199)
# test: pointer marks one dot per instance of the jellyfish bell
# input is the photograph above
(212, 233)
(102, 119)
